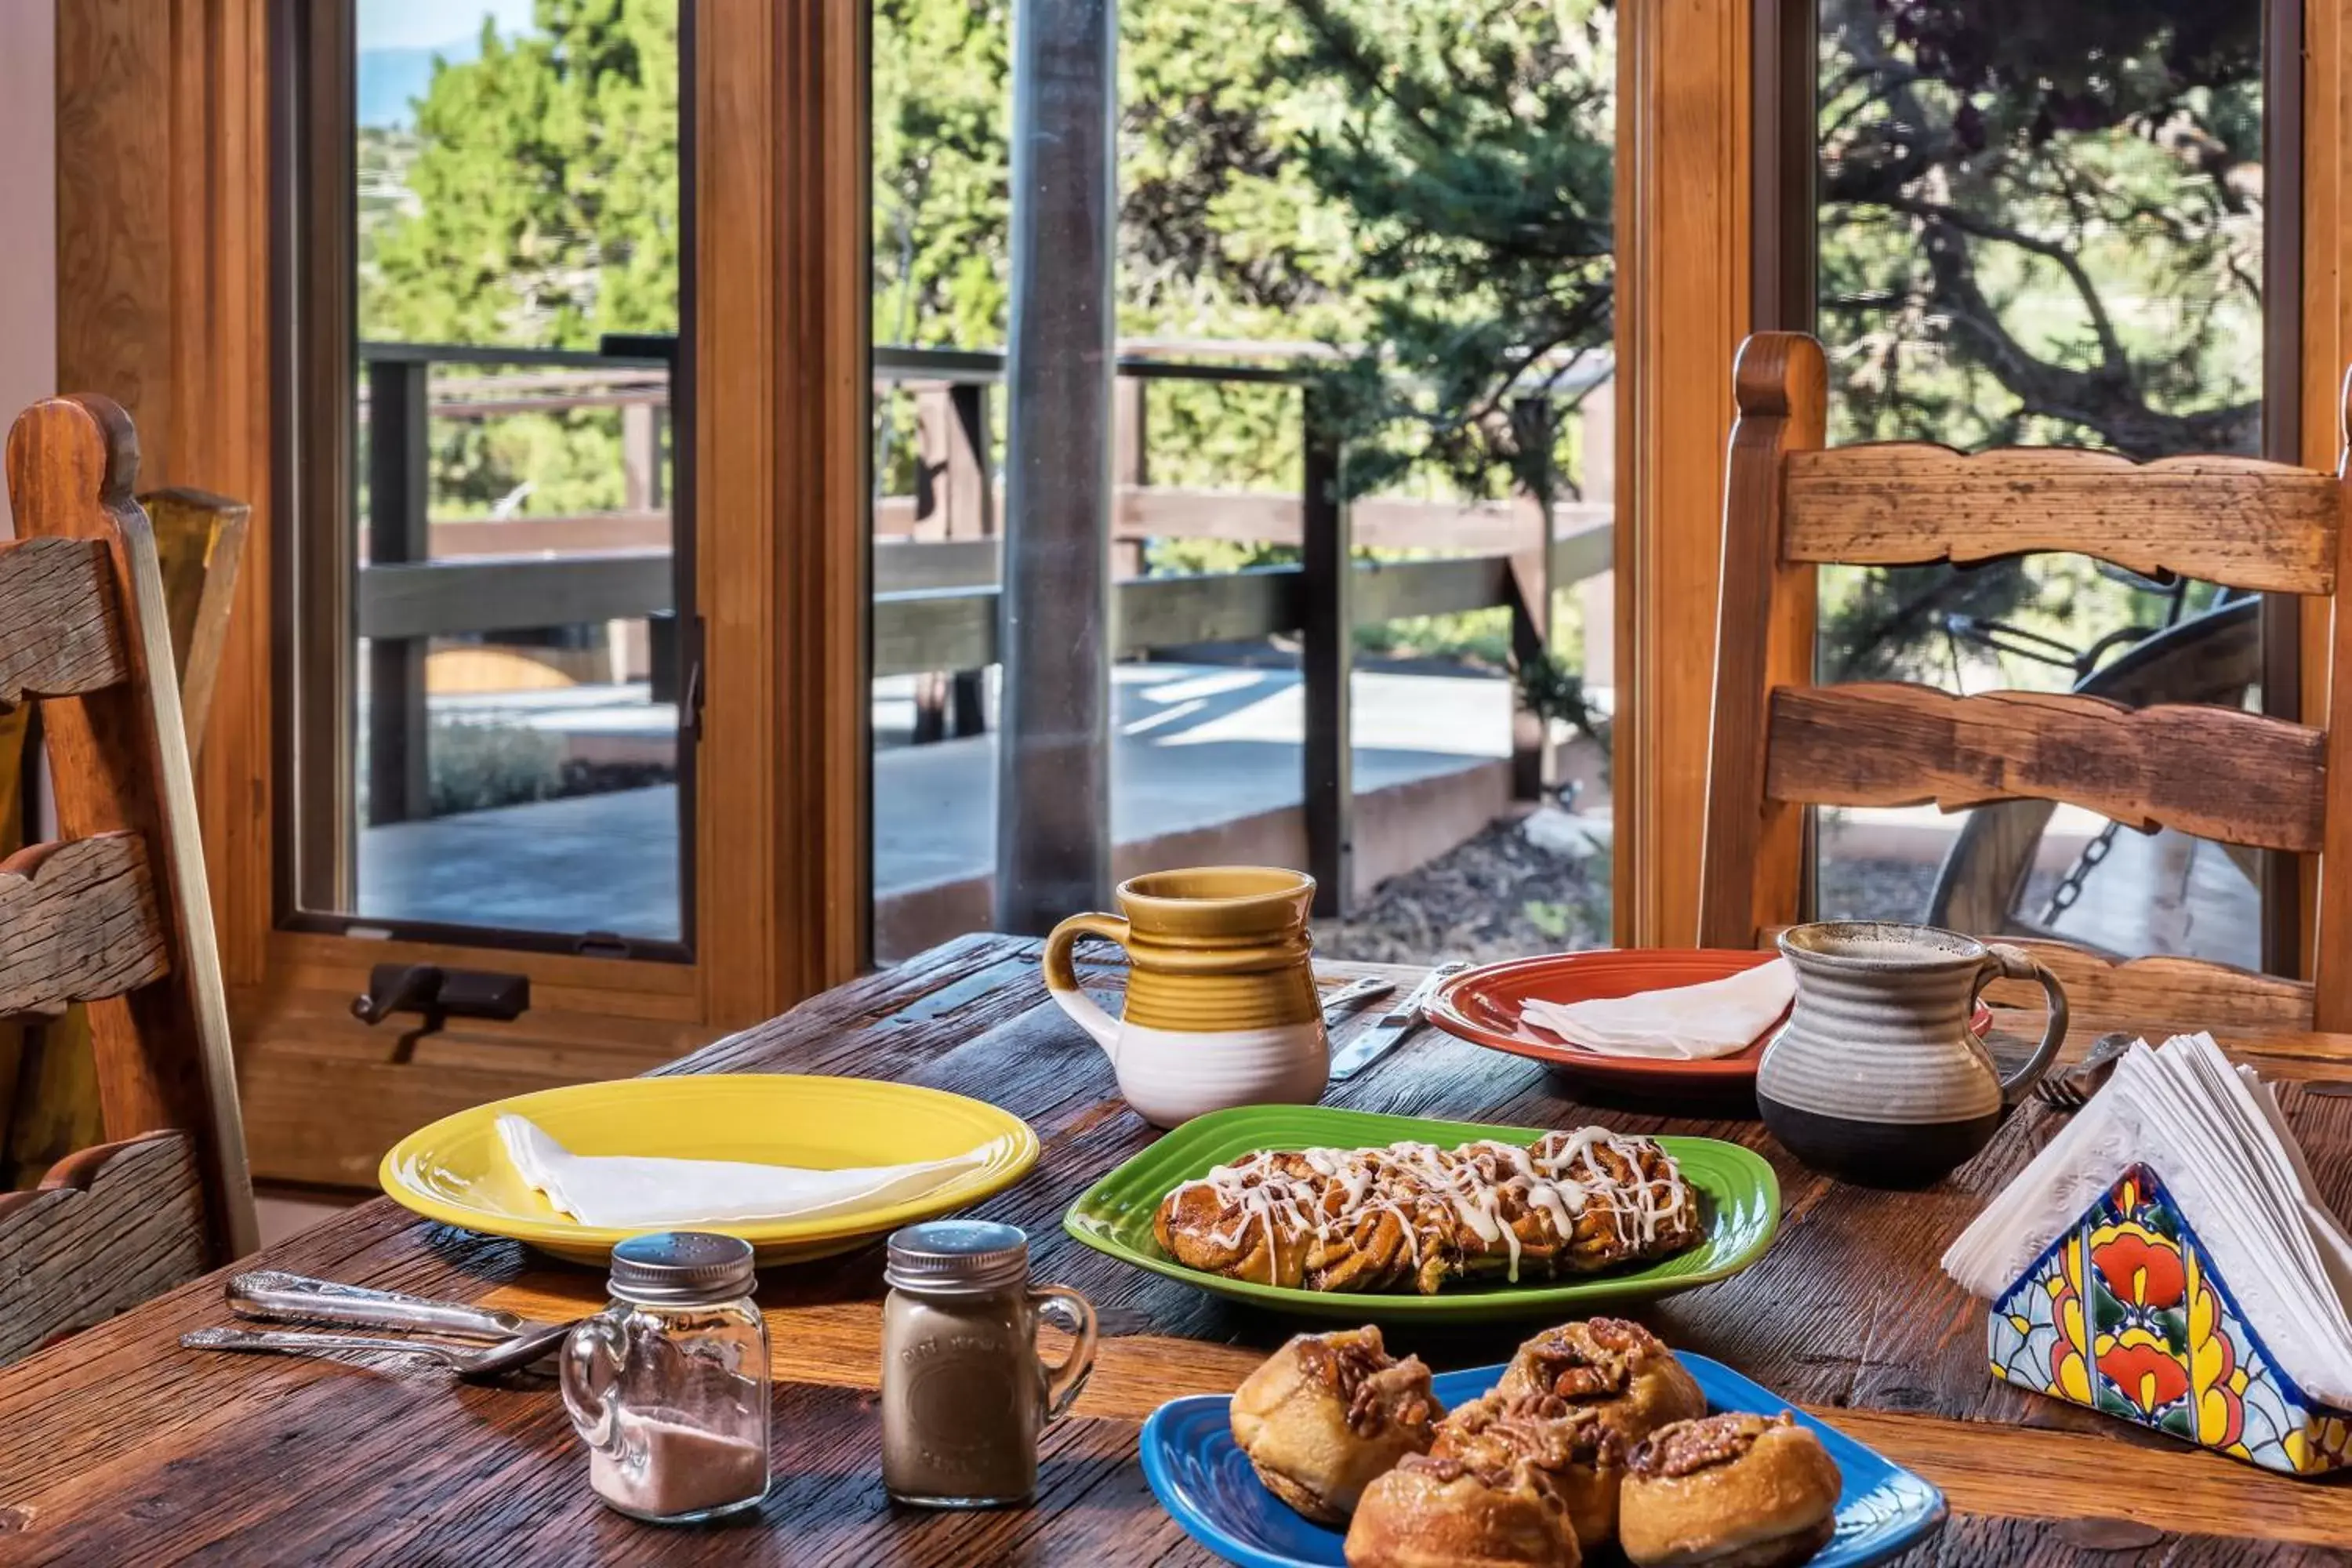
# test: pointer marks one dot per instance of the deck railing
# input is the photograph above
(937, 552)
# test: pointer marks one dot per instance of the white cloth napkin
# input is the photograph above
(2214, 1136)
(1682, 1023)
(626, 1191)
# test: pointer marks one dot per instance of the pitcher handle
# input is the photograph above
(1061, 1305)
(1062, 975)
(2007, 963)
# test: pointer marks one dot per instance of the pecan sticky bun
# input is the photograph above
(1327, 1413)
(1462, 1512)
(1735, 1490)
(1570, 1449)
(1620, 1371)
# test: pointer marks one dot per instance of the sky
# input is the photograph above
(422, 24)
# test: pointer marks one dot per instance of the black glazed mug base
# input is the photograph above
(1877, 1153)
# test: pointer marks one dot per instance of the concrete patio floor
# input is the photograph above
(1194, 746)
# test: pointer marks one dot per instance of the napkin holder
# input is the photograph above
(2125, 1315)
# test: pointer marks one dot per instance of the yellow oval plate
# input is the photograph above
(457, 1171)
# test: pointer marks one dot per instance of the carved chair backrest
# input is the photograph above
(1781, 743)
(115, 914)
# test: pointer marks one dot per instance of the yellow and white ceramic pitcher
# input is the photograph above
(1221, 1002)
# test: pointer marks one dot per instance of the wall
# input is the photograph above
(28, 195)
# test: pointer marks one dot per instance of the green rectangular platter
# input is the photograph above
(1739, 1201)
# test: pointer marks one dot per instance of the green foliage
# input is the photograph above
(546, 187)
(1554, 692)
(1553, 919)
(535, 202)
(476, 764)
(2038, 223)
(1471, 148)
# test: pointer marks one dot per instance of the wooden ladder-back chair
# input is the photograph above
(48, 1085)
(116, 914)
(1781, 743)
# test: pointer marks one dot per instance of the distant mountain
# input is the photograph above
(390, 80)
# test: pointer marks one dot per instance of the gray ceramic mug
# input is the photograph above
(1876, 1078)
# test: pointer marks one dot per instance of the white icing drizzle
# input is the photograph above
(1560, 1177)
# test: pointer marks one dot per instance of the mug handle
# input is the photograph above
(1061, 1305)
(2006, 962)
(1062, 975)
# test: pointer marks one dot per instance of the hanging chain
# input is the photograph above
(2070, 886)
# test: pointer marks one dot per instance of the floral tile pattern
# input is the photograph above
(2124, 1314)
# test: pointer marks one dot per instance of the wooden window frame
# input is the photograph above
(1685, 261)
(186, 334)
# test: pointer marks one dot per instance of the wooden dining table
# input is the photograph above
(118, 1446)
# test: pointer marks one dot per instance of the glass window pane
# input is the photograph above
(516, 745)
(2041, 225)
(1437, 289)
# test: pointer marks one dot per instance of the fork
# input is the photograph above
(2072, 1089)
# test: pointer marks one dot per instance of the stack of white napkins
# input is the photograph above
(1682, 1023)
(632, 1192)
(2213, 1135)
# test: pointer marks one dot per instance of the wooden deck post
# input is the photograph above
(398, 477)
(1053, 779)
(1597, 413)
(954, 499)
(1325, 662)
(640, 456)
(970, 490)
(1531, 579)
(1131, 464)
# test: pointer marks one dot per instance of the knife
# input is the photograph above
(1350, 995)
(1394, 1024)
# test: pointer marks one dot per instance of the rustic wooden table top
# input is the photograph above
(119, 1446)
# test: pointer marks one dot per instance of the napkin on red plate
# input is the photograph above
(1681, 1023)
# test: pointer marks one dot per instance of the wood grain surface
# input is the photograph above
(77, 921)
(2239, 521)
(107, 1229)
(61, 634)
(261, 1460)
(2216, 773)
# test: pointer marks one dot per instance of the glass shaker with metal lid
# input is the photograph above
(668, 1385)
(964, 1391)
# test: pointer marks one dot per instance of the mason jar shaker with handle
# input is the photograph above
(965, 1391)
(669, 1384)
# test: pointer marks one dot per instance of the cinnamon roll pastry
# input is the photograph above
(1431, 1513)
(1736, 1491)
(1620, 1372)
(1327, 1413)
(1573, 1452)
(1414, 1216)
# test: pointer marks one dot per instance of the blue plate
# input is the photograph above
(1207, 1486)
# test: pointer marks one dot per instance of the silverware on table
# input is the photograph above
(2071, 1089)
(1353, 992)
(471, 1364)
(1394, 1024)
(275, 1296)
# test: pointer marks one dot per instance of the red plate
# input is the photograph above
(1483, 1006)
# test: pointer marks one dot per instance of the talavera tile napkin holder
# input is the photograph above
(2125, 1315)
